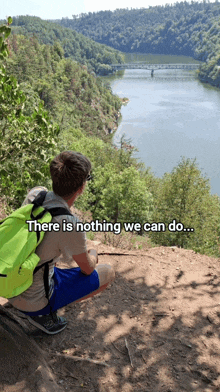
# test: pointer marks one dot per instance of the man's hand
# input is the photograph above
(93, 252)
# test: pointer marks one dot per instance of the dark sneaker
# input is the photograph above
(50, 323)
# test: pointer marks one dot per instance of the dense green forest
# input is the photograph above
(49, 103)
(186, 28)
(95, 56)
(65, 86)
(182, 28)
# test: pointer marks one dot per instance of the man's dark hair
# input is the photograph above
(69, 171)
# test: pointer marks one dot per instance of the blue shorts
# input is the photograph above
(70, 284)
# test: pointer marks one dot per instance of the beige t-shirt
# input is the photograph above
(54, 245)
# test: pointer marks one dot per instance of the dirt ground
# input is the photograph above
(155, 329)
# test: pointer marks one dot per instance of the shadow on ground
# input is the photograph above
(156, 328)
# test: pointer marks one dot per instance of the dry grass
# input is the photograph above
(125, 240)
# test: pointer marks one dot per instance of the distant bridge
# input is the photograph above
(153, 67)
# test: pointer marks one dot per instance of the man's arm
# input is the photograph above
(87, 261)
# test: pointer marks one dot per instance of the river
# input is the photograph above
(168, 116)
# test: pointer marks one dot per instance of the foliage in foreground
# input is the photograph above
(27, 143)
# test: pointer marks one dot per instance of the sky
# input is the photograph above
(57, 9)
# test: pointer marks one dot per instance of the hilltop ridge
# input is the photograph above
(190, 29)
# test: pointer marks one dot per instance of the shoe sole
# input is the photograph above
(44, 329)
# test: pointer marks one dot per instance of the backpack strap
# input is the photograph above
(39, 199)
(38, 202)
(46, 279)
(46, 276)
(56, 211)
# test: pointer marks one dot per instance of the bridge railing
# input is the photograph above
(154, 66)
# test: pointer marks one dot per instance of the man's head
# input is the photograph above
(69, 171)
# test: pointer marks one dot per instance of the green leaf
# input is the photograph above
(3, 29)
(7, 32)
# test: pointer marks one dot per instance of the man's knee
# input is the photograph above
(106, 273)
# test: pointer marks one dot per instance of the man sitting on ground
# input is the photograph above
(69, 172)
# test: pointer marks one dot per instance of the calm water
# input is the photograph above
(168, 116)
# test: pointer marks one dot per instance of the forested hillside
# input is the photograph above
(190, 29)
(72, 96)
(180, 28)
(49, 103)
(74, 45)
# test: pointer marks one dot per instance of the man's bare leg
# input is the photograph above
(106, 276)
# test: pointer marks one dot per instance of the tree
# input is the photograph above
(27, 143)
(184, 195)
(120, 196)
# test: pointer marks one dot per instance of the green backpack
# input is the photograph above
(18, 260)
